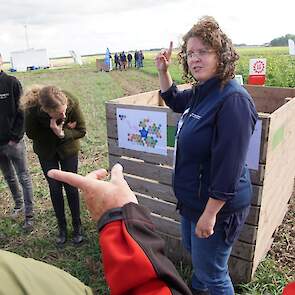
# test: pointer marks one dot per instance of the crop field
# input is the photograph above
(93, 88)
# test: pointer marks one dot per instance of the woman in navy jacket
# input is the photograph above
(211, 179)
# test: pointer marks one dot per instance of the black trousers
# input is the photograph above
(56, 189)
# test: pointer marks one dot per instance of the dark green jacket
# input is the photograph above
(45, 143)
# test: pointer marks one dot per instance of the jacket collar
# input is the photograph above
(209, 84)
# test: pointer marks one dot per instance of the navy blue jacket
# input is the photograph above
(212, 145)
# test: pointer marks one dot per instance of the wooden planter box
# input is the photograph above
(150, 175)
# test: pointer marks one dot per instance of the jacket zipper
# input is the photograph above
(200, 180)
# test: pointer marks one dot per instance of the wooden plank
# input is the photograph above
(243, 250)
(166, 226)
(150, 98)
(151, 188)
(160, 173)
(260, 254)
(114, 149)
(165, 192)
(175, 251)
(279, 175)
(265, 237)
(257, 195)
(240, 270)
(157, 206)
(112, 130)
(111, 109)
(264, 138)
(257, 176)
(248, 234)
(253, 216)
(268, 99)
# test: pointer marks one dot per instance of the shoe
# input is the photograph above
(62, 237)
(28, 225)
(16, 212)
(77, 235)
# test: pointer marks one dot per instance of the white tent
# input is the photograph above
(24, 59)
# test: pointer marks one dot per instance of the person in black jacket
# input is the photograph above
(13, 158)
(211, 179)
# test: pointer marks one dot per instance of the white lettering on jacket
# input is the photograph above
(4, 95)
(195, 116)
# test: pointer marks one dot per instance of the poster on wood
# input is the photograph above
(254, 147)
(142, 130)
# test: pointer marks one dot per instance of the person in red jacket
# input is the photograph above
(132, 253)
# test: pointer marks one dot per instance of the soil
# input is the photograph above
(283, 247)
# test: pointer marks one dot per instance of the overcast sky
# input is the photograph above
(89, 26)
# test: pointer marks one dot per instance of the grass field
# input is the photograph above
(93, 89)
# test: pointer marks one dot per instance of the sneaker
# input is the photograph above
(16, 212)
(78, 236)
(62, 237)
(28, 225)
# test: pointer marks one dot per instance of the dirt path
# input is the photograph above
(135, 81)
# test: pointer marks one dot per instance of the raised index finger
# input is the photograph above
(70, 178)
(170, 48)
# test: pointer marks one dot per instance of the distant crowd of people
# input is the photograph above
(123, 61)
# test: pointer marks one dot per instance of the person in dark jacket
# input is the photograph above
(55, 123)
(123, 60)
(117, 61)
(132, 253)
(136, 59)
(13, 156)
(211, 179)
(129, 58)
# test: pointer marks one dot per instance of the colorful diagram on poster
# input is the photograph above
(142, 130)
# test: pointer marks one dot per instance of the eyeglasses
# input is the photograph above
(199, 53)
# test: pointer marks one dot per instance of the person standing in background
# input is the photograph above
(13, 155)
(129, 58)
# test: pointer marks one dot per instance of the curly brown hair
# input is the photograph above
(49, 98)
(207, 29)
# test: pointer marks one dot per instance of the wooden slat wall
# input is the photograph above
(257, 176)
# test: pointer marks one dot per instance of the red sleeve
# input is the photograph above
(133, 257)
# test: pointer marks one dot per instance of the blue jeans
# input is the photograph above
(13, 158)
(209, 259)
